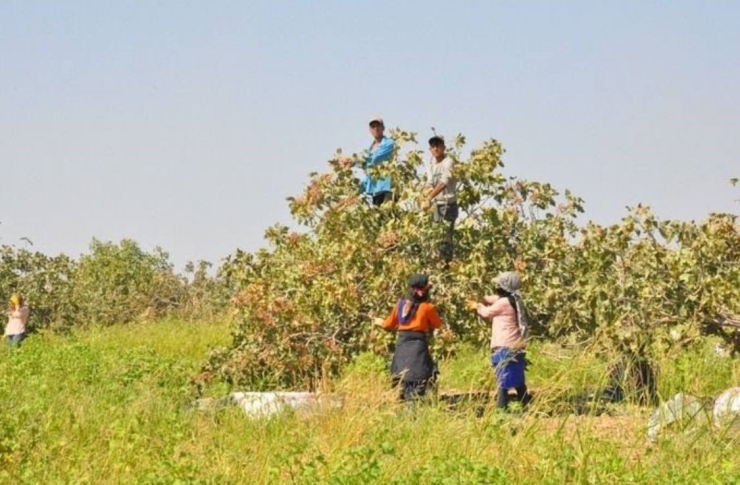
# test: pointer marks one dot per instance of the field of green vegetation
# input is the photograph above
(112, 406)
(125, 378)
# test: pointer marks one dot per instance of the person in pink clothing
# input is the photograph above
(508, 336)
(15, 330)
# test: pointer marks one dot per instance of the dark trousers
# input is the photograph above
(15, 340)
(381, 197)
(410, 390)
(447, 214)
(502, 397)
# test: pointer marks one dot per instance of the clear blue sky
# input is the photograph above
(186, 124)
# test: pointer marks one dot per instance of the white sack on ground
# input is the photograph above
(727, 409)
(262, 404)
(681, 410)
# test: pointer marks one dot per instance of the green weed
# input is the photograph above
(110, 406)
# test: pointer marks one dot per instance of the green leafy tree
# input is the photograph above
(119, 283)
(207, 296)
(304, 304)
(637, 288)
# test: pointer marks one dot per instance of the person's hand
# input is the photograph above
(426, 204)
(471, 304)
(345, 162)
(378, 321)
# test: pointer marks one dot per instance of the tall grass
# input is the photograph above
(110, 406)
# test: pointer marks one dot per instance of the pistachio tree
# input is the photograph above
(305, 303)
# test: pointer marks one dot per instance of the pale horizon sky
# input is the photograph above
(186, 124)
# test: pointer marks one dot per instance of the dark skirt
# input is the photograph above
(412, 361)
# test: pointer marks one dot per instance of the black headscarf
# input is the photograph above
(407, 306)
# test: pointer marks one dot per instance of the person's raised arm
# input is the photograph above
(490, 310)
(490, 299)
(389, 323)
(436, 190)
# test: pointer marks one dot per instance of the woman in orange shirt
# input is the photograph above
(414, 318)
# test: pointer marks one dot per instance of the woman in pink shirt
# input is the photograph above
(508, 334)
(15, 330)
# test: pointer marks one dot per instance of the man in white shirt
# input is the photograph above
(442, 192)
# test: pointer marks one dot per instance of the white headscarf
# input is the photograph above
(510, 282)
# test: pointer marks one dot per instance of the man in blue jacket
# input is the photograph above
(379, 152)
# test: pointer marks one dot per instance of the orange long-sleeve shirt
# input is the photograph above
(425, 319)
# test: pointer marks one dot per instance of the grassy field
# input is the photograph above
(111, 406)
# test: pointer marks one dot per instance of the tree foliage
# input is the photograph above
(45, 282)
(112, 283)
(304, 304)
(119, 282)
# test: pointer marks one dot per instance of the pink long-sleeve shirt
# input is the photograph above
(17, 321)
(504, 327)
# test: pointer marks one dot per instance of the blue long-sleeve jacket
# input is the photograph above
(382, 153)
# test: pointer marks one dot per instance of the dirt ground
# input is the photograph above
(614, 422)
